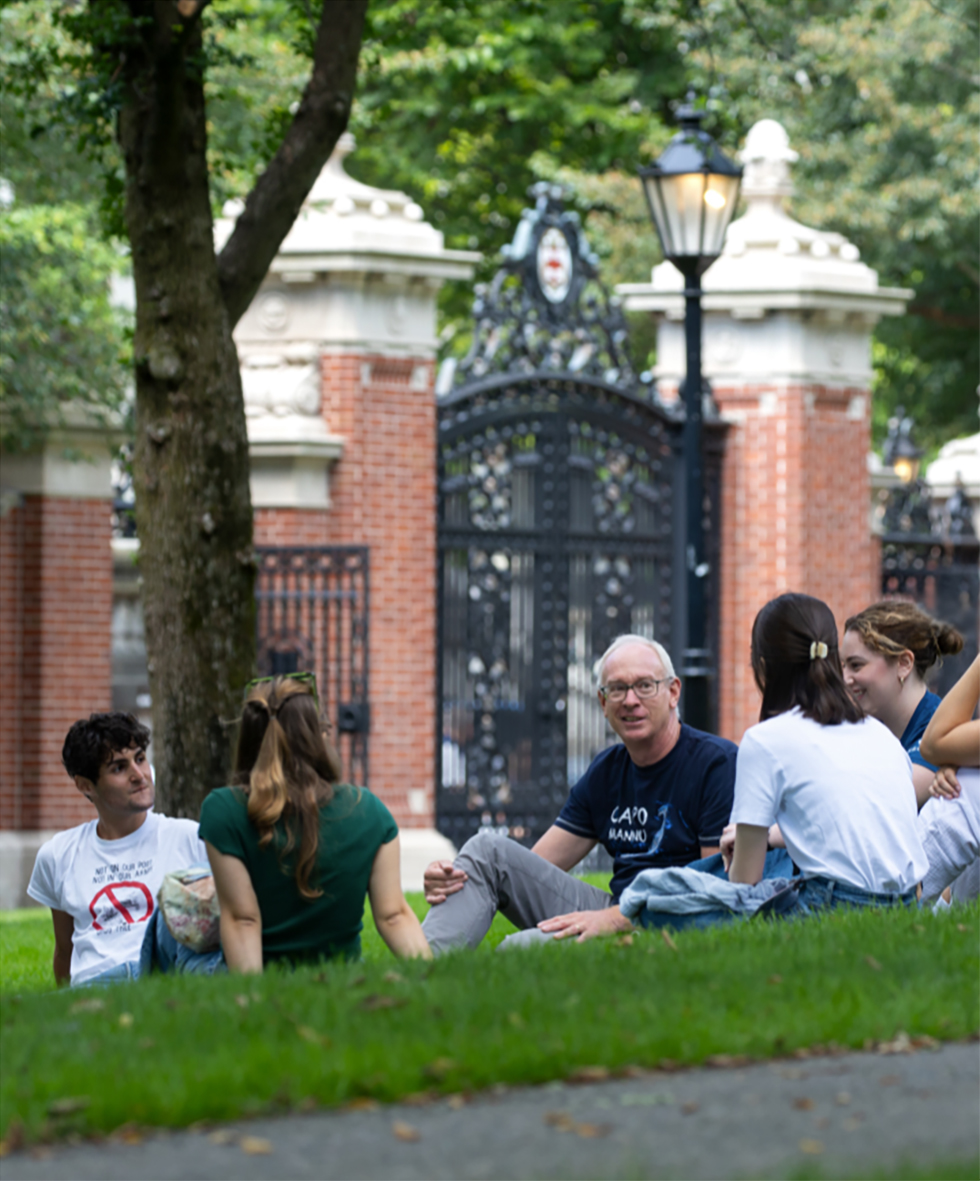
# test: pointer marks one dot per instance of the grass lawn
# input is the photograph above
(173, 1050)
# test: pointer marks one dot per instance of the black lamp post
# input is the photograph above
(692, 191)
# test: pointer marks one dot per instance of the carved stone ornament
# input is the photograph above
(546, 309)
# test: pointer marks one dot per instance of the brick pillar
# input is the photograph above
(788, 315)
(55, 636)
(383, 496)
(66, 671)
(795, 496)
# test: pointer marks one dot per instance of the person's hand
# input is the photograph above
(441, 879)
(586, 924)
(945, 785)
(727, 846)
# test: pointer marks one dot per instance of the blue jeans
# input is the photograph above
(127, 971)
(816, 894)
(162, 953)
(779, 864)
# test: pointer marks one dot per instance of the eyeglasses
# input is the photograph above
(305, 678)
(645, 688)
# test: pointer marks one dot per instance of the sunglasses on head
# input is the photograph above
(305, 678)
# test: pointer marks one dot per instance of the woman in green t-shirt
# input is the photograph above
(293, 850)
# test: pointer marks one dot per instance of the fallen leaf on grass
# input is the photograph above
(890, 1080)
(223, 1136)
(691, 1107)
(901, 1043)
(589, 1074)
(68, 1105)
(803, 1104)
(311, 1036)
(665, 935)
(726, 1061)
(128, 1133)
(362, 1103)
(925, 1042)
(125, 1020)
(405, 1132)
(420, 1098)
(242, 1001)
(775, 978)
(438, 1068)
(872, 962)
(960, 927)
(843, 1098)
(376, 1001)
(394, 977)
(625, 941)
(255, 1145)
(811, 1147)
(14, 1140)
(90, 1006)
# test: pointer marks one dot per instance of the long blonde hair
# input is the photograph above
(288, 769)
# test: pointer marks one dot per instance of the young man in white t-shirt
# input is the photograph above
(101, 878)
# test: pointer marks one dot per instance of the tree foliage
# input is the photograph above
(61, 342)
(881, 99)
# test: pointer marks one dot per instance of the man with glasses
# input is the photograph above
(659, 798)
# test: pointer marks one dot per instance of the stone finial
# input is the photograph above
(767, 157)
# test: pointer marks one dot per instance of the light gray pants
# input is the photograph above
(505, 876)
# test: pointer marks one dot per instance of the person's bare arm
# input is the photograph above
(710, 850)
(952, 737)
(64, 928)
(922, 779)
(562, 848)
(241, 918)
(397, 923)
(749, 857)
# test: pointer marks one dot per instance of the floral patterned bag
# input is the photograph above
(189, 905)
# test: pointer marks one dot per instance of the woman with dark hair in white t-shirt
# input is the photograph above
(838, 783)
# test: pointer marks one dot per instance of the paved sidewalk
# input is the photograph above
(849, 1113)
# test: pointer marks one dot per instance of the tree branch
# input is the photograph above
(274, 202)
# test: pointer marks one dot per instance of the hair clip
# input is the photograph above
(818, 650)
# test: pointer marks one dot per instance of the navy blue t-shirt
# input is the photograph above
(918, 722)
(657, 816)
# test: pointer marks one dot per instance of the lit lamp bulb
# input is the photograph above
(905, 469)
(713, 198)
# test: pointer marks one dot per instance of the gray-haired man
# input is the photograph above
(660, 798)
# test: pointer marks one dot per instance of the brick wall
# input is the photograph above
(795, 495)
(383, 495)
(11, 647)
(62, 613)
(291, 526)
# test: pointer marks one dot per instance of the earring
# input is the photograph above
(901, 682)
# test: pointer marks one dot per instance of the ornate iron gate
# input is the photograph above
(312, 613)
(557, 472)
(933, 558)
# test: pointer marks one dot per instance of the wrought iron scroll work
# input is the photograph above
(524, 324)
(312, 609)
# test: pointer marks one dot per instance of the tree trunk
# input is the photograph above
(191, 464)
(193, 509)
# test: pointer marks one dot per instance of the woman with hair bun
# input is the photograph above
(887, 652)
(838, 783)
(293, 850)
